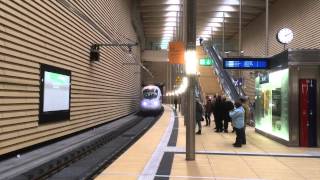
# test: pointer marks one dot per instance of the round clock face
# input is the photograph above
(285, 36)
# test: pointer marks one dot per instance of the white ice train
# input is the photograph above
(152, 99)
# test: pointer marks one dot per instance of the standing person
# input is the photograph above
(228, 106)
(175, 102)
(218, 109)
(199, 113)
(208, 111)
(246, 108)
(213, 110)
(237, 116)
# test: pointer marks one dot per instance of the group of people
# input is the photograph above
(225, 111)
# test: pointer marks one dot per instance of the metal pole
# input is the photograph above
(223, 34)
(267, 29)
(168, 86)
(170, 83)
(211, 34)
(191, 46)
(240, 33)
(240, 28)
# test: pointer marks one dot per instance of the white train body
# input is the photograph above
(151, 99)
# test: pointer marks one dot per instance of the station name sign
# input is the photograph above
(245, 63)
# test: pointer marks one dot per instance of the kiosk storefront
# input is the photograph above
(287, 98)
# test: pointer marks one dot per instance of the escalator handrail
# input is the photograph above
(225, 78)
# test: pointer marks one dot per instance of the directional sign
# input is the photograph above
(176, 52)
(205, 62)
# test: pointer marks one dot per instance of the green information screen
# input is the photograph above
(206, 62)
(56, 92)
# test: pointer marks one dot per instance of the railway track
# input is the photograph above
(89, 159)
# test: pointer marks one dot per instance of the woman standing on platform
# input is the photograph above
(237, 116)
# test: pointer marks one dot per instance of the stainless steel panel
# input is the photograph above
(296, 73)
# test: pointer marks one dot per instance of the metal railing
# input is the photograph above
(225, 79)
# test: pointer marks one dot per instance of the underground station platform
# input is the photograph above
(160, 154)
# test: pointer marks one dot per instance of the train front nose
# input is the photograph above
(150, 104)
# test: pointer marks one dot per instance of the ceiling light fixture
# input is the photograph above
(173, 2)
(173, 14)
(214, 24)
(173, 24)
(227, 8)
(173, 8)
(171, 19)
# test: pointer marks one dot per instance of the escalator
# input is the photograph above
(225, 80)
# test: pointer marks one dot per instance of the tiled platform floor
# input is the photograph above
(133, 163)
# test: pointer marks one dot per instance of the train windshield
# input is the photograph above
(150, 93)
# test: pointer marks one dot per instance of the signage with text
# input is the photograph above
(176, 52)
(245, 63)
(205, 62)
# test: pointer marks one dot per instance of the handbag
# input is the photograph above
(202, 119)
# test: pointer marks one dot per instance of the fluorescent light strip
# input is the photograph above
(173, 8)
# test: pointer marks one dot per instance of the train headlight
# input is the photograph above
(144, 103)
(155, 103)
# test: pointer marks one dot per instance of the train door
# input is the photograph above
(308, 112)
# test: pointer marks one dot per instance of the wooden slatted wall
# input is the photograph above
(302, 17)
(44, 31)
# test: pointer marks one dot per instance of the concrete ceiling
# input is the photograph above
(160, 18)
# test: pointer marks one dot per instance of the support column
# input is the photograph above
(240, 39)
(223, 34)
(170, 83)
(167, 84)
(240, 27)
(191, 46)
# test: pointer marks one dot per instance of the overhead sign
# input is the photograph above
(176, 52)
(205, 62)
(245, 63)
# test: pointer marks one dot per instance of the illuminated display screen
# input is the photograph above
(245, 63)
(271, 104)
(205, 62)
(56, 92)
(55, 87)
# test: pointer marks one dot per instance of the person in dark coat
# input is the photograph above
(218, 109)
(208, 111)
(199, 113)
(175, 102)
(227, 106)
(213, 110)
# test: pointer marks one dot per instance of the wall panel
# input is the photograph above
(302, 17)
(38, 32)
